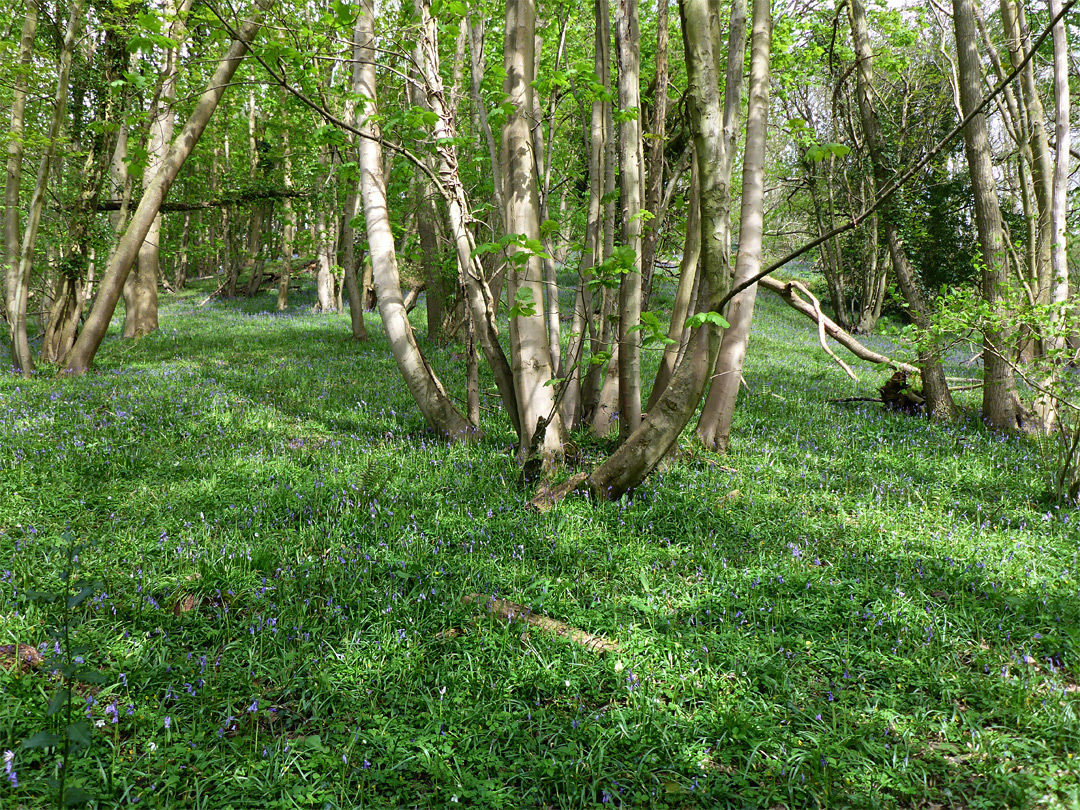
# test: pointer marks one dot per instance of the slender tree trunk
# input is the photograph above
(13, 175)
(424, 386)
(1019, 40)
(1045, 406)
(18, 292)
(288, 232)
(82, 353)
(182, 267)
(252, 249)
(939, 402)
(574, 398)
(631, 160)
(724, 390)
(478, 297)
(651, 230)
(529, 347)
(1001, 407)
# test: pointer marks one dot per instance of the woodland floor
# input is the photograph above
(854, 608)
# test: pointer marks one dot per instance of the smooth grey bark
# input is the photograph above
(1018, 40)
(1001, 408)
(529, 348)
(655, 184)
(13, 173)
(583, 328)
(631, 165)
(427, 391)
(724, 390)
(939, 402)
(141, 285)
(680, 310)
(82, 353)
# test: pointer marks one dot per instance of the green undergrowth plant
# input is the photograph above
(853, 608)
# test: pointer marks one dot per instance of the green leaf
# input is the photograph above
(84, 593)
(91, 676)
(837, 149)
(706, 317)
(57, 702)
(76, 795)
(43, 739)
(79, 733)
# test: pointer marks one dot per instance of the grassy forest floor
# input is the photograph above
(852, 609)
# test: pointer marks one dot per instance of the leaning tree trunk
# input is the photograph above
(424, 386)
(141, 285)
(82, 353)
(720, 404)
(541, 425)
(939, 402)
(1001, 408)
(680, 310)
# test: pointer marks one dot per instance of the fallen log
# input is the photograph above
(509, 611)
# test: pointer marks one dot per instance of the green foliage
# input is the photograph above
(856, 608)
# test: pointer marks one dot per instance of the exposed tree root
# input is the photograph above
(511, 610)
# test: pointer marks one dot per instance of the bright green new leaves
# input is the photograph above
(701, 318)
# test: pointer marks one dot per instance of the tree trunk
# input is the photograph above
(1001, 408)
(716, 227)
(939, 402)
(82, 353)
(628, 50)
(651, 231)
(252, 249)
(288, 231)
(479, 300)
(141, 286)
(529, 348)
(574, 397)
(1046, 407)
(424, 386)
(724, 391)
(182, 267)
(12, 181)
(18, 291)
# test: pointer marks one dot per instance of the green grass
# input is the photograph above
(852, 609)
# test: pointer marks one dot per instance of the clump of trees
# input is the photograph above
(523, 160)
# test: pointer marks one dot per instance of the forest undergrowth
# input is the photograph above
(854, 608)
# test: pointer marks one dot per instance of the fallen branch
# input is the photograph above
(235, 198)
(797, 285)
(511, 610)
(789, 292)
